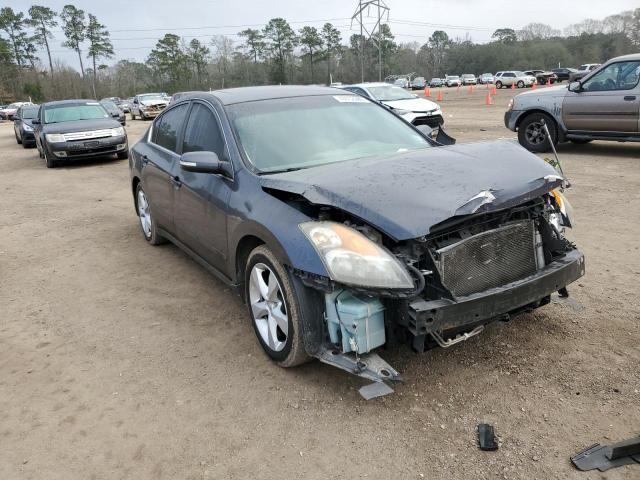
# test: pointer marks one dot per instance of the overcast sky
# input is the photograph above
(135, 25)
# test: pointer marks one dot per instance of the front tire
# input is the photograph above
(49, 160)
(532, 136)
(520, 84)
(18, 140)
(133, 117)
(498, 84)
(274, 308)
(123, 155)
(147, 224)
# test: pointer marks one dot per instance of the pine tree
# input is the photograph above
(99, 45)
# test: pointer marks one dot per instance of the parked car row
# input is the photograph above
(69, 130)
(8, 112)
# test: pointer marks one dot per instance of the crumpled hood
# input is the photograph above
(415, 105)
(81, 125)
(407, 194)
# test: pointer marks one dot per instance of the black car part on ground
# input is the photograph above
(487, 438)
(604, 457)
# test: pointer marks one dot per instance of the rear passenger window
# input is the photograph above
(165, 130)
(203, 132)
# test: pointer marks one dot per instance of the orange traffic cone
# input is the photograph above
(513, 86)
(487, 85)
(427, 92)
(548, 82)
(487, 100)
(470, 88)
(440, 97)
(534, 85)
(494, 90)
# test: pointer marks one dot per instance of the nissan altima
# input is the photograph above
(345, 228)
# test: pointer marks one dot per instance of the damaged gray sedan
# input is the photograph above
(346, 229)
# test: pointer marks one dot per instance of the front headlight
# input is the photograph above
(27, 128)
(55, 137)
(117, 132)
(401, 112)
(510, 106)
(353, 259)
(566, 210)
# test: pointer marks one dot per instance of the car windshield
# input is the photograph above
(435, 79)
(110, 106)
(389, 93)
(453, 77)
(467, 75)
(70, 112)
(486, 74)
(302, 132)
(151, 97)
(14, 105)
(29, 112)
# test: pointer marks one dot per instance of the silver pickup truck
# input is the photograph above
(604, 105)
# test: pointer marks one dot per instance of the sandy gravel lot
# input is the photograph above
(123, 361)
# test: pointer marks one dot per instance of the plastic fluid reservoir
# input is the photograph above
(355, 322)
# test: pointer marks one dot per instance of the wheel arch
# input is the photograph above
(544, 111)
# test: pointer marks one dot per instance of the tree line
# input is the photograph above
(278, 54)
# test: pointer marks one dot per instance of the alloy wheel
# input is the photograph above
(535, 133)
(268, 307)
(144, 213)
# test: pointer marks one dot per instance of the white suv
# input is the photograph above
(452, 81)
(511, 77)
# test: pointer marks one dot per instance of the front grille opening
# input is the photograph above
(489, 259)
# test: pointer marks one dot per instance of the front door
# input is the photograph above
(201, 201)
(609, 101)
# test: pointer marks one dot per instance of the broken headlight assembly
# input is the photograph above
(353, 259)
(566, 217)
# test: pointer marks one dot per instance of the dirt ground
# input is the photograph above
(121, 360)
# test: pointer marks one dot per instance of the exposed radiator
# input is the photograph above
(489, 259)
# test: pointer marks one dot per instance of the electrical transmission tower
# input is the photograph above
(375, 34)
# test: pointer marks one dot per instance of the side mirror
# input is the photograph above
(575, 87)
(135, 101)
(115, 115)
(204, 162)
(35, 121)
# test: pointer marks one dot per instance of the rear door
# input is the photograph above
(159, 160)
(201, 201)
(608, 102)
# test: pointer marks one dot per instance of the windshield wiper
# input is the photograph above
(284, 170)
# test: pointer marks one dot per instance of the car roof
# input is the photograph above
(370, 84)
(253, 94)
(69, 102)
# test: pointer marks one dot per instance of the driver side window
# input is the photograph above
(617, 76)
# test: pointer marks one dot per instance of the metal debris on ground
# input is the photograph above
(604, 457)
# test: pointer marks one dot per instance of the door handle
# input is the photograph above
(630, 98)
(177, 183)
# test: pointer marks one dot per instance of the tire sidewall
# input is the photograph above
(498, 84)
(261, 255)
(153, 238)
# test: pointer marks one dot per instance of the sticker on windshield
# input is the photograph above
(350, 99)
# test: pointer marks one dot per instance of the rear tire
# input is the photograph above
(147, 224)
(531, 135)
(274, 308)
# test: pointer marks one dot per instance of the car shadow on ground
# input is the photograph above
(617, 149)
(87, 162)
